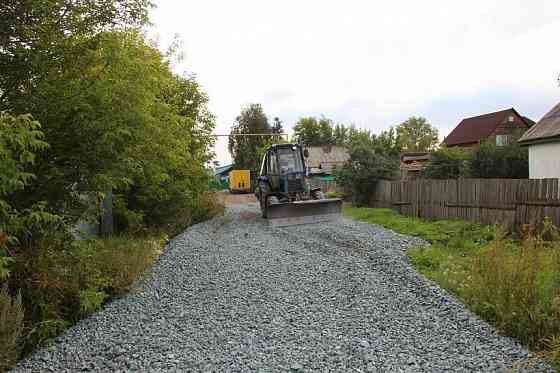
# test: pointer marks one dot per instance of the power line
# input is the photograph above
(250, 134)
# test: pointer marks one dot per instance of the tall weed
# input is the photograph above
(512, 283)
(11, 328)
(516, 286)
(62, 283)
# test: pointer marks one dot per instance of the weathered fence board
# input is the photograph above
(511, 202)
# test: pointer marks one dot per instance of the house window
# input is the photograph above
(501, 140)
(511, 119)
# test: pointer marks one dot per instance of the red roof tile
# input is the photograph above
(475, 129)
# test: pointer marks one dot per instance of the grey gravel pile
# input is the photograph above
(233, 295)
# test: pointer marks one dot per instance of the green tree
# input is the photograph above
(244, 148)
(340, 134)
(21, 139)
(448, 163)
(363, 170)
(35, 36)
(119, 119)
(417, 135)
(312, 131)
(386, 143)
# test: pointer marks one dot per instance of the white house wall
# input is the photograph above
(544, 161)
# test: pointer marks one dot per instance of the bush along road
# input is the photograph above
(233, 295)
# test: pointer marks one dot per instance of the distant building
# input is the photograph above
(543, 140)
(412, 164)
(323, 160)
(222, 172)
(500, 128)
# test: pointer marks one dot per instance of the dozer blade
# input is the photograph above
(304, 212)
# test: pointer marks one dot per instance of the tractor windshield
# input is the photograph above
(290, 160)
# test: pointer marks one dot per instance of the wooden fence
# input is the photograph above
(510, 202)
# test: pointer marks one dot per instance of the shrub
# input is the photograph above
(362, 171)
(448, 163)
(11, 327)
(491, 161)
(61, 281)
(517, 287)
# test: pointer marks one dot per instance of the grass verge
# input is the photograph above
(512, 284)
(59, 287)
(56, 281)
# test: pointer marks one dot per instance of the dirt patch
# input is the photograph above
(239, 199)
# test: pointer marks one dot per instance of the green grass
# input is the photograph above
(60, 284)
(513, 284)
(54, 281)
(334, 194)
(452, 233)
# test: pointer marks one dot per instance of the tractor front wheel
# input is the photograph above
(318, 195)
(264, 206)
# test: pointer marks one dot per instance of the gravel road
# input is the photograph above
(233, 295)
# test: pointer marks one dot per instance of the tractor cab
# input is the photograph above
(284, 193)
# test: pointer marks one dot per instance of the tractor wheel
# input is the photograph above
(318, 195)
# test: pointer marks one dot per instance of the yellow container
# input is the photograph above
(240, 181)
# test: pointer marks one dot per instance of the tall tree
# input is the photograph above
(118, 118)
(388, 143)
(340, 134)
(417, 135)
(313, 131)
(244, 149)
(35, 36)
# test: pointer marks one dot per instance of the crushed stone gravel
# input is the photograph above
(234, 295)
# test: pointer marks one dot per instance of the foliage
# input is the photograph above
(244, 149)
(20, 140)
(456, 233)
(151, 152)
(35, 36)
(61, 281)
(113, 118)
(417, 135)
(207, 206)
(364, 168)
(513, 284)
(216, 184)
(311, 131)
(448, 163)
(491, 161)
(11, 328)
(388, 143)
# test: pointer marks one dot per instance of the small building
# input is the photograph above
(412, 164)
(222, 172)
(543, 140)
(323, 160)
(501, 128)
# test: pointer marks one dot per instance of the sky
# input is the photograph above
(368, 63)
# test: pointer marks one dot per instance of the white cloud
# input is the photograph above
(371, 63)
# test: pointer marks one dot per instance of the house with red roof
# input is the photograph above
(501, 128)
